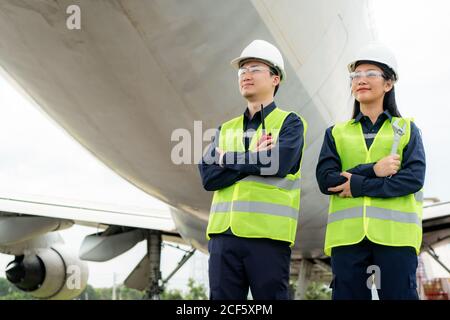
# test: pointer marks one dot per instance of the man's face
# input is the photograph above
(256, 80)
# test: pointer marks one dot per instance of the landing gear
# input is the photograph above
(304, 276)
(154, 240)
(306, 271)
(156, 284)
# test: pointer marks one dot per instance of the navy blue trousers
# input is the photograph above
(394, 269)
(237, 264)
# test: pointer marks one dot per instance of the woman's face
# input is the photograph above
(368, 84)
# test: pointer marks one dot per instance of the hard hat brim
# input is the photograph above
(236, 63)
(352, 66)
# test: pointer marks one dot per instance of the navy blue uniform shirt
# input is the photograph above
(364, 182)
(289, 144)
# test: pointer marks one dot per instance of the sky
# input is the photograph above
(417, 31)
(40, 158)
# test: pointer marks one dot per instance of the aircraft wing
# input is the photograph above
(436, 224)
(87, 213)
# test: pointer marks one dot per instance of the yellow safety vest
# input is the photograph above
(256, 206)
(388, 221)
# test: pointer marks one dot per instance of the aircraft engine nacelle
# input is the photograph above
(49, 273)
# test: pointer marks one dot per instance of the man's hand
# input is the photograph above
(264, 144)
(344, 189)
(387, 166)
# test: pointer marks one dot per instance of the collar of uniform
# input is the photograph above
(361, 115)
(388, 115)
(268, 109)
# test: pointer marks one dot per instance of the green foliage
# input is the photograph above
(90, 293)
(130, 294)
(195, 292)
(9, 292)
(172, 294)
(122, 293)
(318, 291)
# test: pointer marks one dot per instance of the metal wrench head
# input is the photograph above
(397, 129)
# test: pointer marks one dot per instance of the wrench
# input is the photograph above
(398, 133)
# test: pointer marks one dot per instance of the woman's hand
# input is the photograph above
(387, 166)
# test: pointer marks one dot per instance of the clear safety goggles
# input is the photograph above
(252, 70)
(370, 74)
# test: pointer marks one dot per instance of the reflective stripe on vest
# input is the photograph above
(369, 135)
(255, 207)
(283, 183)
(395, 221)
(377, 213)
(419, 196)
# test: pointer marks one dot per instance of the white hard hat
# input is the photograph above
(262, 50)
(376, 52)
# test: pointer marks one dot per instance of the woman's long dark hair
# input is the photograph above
(389, 102)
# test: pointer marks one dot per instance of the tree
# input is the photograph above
(195, 292)
(318, 291)
(9, 292)
(172, 294)
(124, 293)
(89, 293)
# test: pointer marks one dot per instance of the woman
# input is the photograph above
(373, 168)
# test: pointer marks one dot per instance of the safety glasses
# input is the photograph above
(370, 74)
(252, 70)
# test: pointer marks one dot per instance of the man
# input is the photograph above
(255, 176)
